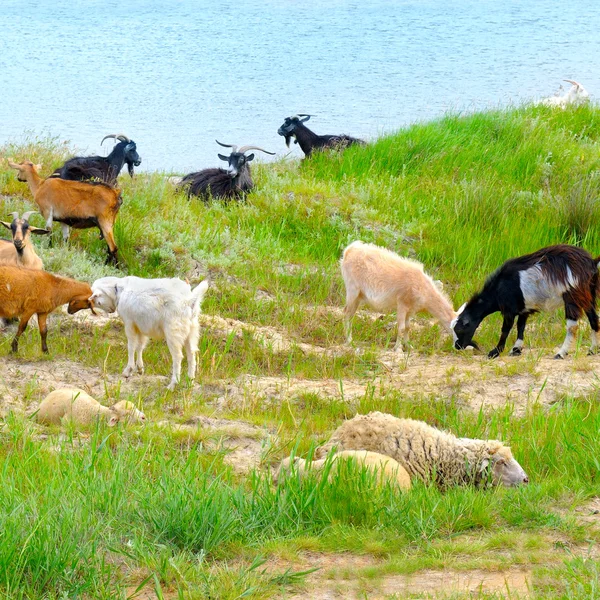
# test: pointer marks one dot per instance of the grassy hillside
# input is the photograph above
(163, 511)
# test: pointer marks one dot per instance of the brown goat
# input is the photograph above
(21, 251)
(25, 292)
(73, 203)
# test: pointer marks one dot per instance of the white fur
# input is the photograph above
(154, 308)
(574, 96)
(540, 292)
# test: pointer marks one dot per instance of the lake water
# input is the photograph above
(175, 75)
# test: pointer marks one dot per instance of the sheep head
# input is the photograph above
(505, 470)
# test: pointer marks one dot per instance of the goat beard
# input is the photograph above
(288, 139)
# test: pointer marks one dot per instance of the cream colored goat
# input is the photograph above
(387, 282)
(72, 404)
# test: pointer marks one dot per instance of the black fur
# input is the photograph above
(310, 141)
(102, 168)
(502, 293)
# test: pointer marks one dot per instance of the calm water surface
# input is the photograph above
(175, 75)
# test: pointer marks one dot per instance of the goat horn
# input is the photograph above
(244, 149)
(117, 136)
(27, 214)
(234, 147)
(14, 215)
(572, 82)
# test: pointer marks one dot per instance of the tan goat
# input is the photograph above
(20, 251)
(73, 203)
(386, 282)
(25, 292)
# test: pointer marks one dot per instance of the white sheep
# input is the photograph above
(72, 404)
(154, 308)
(388, 282)
(428, 453)
(574, 96)
(387, 469)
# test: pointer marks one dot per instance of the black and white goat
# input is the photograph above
(102, 168)
(231, 183)
(293, 127)
(540, 281)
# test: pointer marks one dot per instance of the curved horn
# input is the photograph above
(27, 214)
(232, 146)
(117, 136)
(14, 215)
(572, 82)
(299, 115)
(244, 149)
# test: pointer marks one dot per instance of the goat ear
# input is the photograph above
(39, 230)
(38, 167)
(7, 225)
(306, 118)
(250, 157)
(222, 157)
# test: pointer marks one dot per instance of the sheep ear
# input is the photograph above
(114, 419)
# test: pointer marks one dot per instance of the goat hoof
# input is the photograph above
(515, 352)
(495, 353)
(558, 357)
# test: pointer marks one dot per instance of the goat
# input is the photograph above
(386, 281)
(233, 183)
(522, 286)
(576, 95)
(102, 168)
(25, 292)
(74, 203)
(293, 127)
(154, 308)
(21, 251)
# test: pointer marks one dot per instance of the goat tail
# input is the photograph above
(198, 295)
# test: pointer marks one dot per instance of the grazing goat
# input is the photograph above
(25, 292)
(231, 183)
(154, 308)
(73, 404)
(21, 251)
(102, 168)
(576, 95)
(386, 281)
(74, 203)
(540, 281)
(293, 127)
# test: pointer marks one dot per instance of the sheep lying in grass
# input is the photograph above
(428, 453)
(72, 404)
(385, 467)
(387, 282)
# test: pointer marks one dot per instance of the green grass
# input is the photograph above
(105, 512)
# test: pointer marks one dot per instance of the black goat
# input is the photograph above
(102, 168)
(539, 281)
(293, 127)
(231, 183)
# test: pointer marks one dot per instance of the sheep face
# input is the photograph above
(506, 470)
(237, 161)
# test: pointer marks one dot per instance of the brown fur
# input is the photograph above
(25, 292)
(27, 257)
(74, 203)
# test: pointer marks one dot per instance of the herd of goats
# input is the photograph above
(82, 193)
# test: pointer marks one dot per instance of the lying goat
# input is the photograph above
(536, 282)
(232, 183)
(20, 251)
(387, 282)
(293, 127)
(576, 95)
(102, 168)
(154, 308)
(73, 203)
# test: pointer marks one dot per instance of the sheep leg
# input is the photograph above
(507, 325)
(401, 317)
(573, 313)
(352, 304)
(521, 322)
(22, 327)
(43, 331)
(177, 356)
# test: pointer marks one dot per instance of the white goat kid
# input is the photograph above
(154, 308)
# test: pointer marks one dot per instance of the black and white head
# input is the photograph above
(288, 129)
(463, 328)
(130, 154)
(21, 229)
(238, 157)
